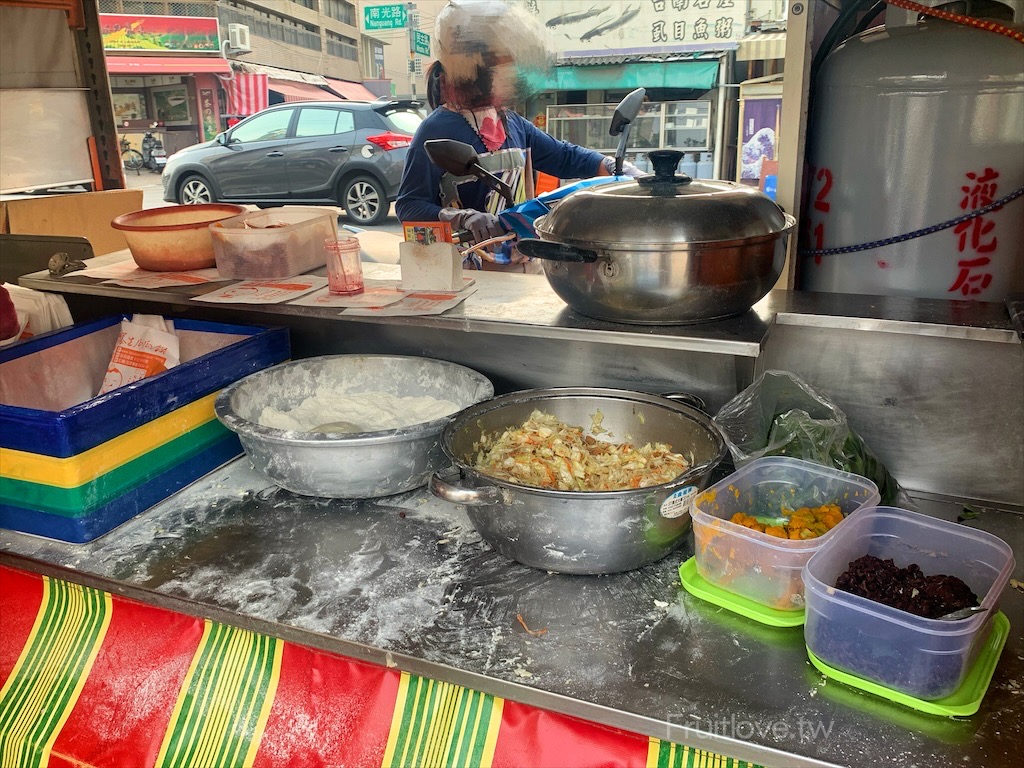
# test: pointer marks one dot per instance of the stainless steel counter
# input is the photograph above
(405, 581)
(520, 334)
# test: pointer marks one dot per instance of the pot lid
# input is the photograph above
(663, 207)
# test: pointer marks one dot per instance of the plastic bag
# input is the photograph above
(781, 415)
(146, 346)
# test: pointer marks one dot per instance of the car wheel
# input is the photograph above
(195, 190)
(365, 201)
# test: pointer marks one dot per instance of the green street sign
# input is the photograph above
(376, 17)
(420, 42)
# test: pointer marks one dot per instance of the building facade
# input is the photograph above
(220, 60)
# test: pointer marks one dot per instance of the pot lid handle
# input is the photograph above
(665, 162)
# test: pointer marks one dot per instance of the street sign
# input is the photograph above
(376, 17)
(421, 42)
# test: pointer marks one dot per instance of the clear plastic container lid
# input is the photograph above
(764, 486)
(983, 561)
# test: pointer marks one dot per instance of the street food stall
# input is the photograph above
(185, 583)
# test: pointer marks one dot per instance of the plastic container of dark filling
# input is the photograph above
(925, 658)
(273, 243)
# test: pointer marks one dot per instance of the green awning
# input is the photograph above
(695, 75)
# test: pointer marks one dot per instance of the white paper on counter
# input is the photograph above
(110, 266)
(264, 291)
(142, 278)
(376, 293)
(416, 303)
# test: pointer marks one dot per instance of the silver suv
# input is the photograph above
(347, 153)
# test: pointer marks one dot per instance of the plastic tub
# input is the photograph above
(278, 242)
(925, 658)
(764, 568)
(74, 465)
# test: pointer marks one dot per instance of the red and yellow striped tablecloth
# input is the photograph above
(94, 680)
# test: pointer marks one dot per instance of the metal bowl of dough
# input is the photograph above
(582, 532)
(365, 464)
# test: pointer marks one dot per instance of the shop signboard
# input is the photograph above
(129, 106)
(159, 34)
(761, 119)
(378, 17)
(583, 27)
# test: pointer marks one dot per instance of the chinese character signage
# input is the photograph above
(420, 42)
(159, 34)
(209, 117)
(581, 27)
(976, 238)
(376, 17)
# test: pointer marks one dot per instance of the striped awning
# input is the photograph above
(247, 94)
(292, 91)
(762, 46)
(349, 90)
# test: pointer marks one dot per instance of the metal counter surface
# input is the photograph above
(406, 581)
(508, 304)
(525, 305)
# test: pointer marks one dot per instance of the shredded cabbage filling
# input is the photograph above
(547, 453)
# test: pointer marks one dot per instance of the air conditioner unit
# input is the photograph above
(238, 37)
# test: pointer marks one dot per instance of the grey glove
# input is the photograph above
(483, 226)
(628, 169)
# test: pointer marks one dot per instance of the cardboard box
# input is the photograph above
(85, 214)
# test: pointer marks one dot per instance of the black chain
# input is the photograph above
(916, 233)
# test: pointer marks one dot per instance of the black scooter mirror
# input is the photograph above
(627, 110)
(625, 113)
(460, 159)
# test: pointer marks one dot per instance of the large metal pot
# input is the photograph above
(577, 531)
(360, 465)
(664, 249)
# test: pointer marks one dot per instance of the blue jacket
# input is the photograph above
(419, 197)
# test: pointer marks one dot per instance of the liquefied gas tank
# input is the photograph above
(912, 127)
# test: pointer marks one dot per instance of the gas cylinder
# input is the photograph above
(913, 127)
(705, 166)
(689, 165)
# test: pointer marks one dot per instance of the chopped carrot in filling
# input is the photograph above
(803, 523)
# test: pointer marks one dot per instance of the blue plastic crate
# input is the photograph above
(39, 375)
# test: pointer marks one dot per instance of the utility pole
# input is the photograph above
(412, 23)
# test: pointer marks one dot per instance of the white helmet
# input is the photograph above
(474, 36)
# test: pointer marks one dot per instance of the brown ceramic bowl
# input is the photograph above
(175, 238)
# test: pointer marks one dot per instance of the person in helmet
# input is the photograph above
(484, 49)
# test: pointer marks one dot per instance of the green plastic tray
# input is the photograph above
(966, 700)
(700, 587)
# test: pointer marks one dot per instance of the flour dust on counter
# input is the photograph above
(372, 574)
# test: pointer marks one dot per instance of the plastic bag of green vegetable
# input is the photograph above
(781, 415)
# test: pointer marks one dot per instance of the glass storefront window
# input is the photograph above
(660, 125)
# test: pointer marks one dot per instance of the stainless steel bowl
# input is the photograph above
(581, 532)
(355, 465)
(663, 249)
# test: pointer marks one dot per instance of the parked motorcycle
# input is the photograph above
(154, 156)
